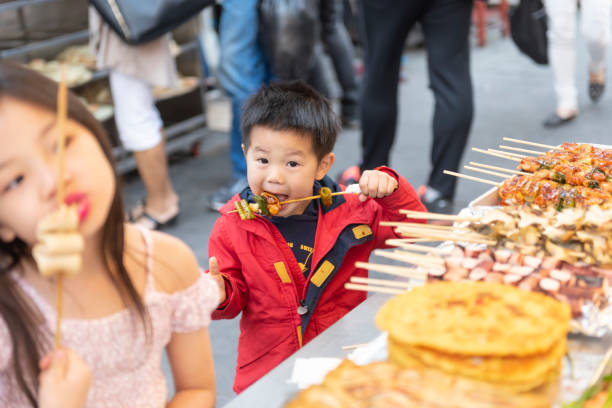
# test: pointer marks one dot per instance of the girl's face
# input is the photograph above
(29, 172)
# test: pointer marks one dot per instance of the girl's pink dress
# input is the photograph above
(127, 371)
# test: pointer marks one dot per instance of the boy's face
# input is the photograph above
(284, 163)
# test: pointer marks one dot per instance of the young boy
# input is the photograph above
(286, 273)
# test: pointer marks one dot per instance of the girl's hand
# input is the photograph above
(64, 380)
(376, 184)
(213, 268)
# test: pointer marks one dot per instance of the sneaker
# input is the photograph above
(434, 201)
(220, 197)
(349, 176)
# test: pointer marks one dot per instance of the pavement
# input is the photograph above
(512, 98)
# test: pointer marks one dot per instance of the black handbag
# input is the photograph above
(528, 27)
(138, 21)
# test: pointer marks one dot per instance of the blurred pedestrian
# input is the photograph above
(134, 72)
(595, 16)
(241, 72)
(446, 27)
(337, 43)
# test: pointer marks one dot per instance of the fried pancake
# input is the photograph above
(521, 372)
(475, 319)
(384, 384)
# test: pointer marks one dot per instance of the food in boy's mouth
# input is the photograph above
(60, 245)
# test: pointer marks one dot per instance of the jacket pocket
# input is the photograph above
(268, 344)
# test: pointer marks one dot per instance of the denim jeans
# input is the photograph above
(242, 68)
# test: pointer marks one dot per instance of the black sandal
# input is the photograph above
(596, 90)
(554, 120)
(154, 223)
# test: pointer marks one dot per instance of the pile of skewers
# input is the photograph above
(571, 175)
(561, 273)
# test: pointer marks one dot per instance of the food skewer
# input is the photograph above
(509, 139)
(354, 346)
(249, 208)
(518, 149)
(492, 173)
(503, 156)
(487, 166)
(465, 176)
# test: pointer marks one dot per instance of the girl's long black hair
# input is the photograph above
(20, 317)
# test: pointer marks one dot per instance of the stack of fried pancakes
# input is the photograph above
(509, 340)
(457, 345)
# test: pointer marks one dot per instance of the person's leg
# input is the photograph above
(340, 49)
(562, 56)
(140, 131)
(385, 24)
(596, 31)
(242, 71)
(446, 26)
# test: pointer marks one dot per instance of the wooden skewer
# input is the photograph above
(521, 156)
(435, 216)
(415, 239)
(519, 149)
(354, 346)
(315, 197)
(382, 282)
(62, 112)
(368, 288)
(465, 176)
(486, 166)
(478, 239)
(503, 156)
(417, 225)
(408, 259)
(414, 247)
(425, 258)
(532, 143)
(493, 173)
(394, 270)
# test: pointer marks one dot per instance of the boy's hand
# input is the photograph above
(376, 184)
(213, 268)
(64, 380)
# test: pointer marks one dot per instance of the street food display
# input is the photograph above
(572, 235)
(482, 320)
(447, 349)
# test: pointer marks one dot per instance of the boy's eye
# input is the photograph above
(293, 164)
(262, 161)
(13, 184)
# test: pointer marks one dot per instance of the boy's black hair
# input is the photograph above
(292, 106)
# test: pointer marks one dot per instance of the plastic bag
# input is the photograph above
(289, 30)
(528, 27)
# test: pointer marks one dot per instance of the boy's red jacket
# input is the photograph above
(281, 309)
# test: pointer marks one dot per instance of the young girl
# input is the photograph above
(137, 292)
